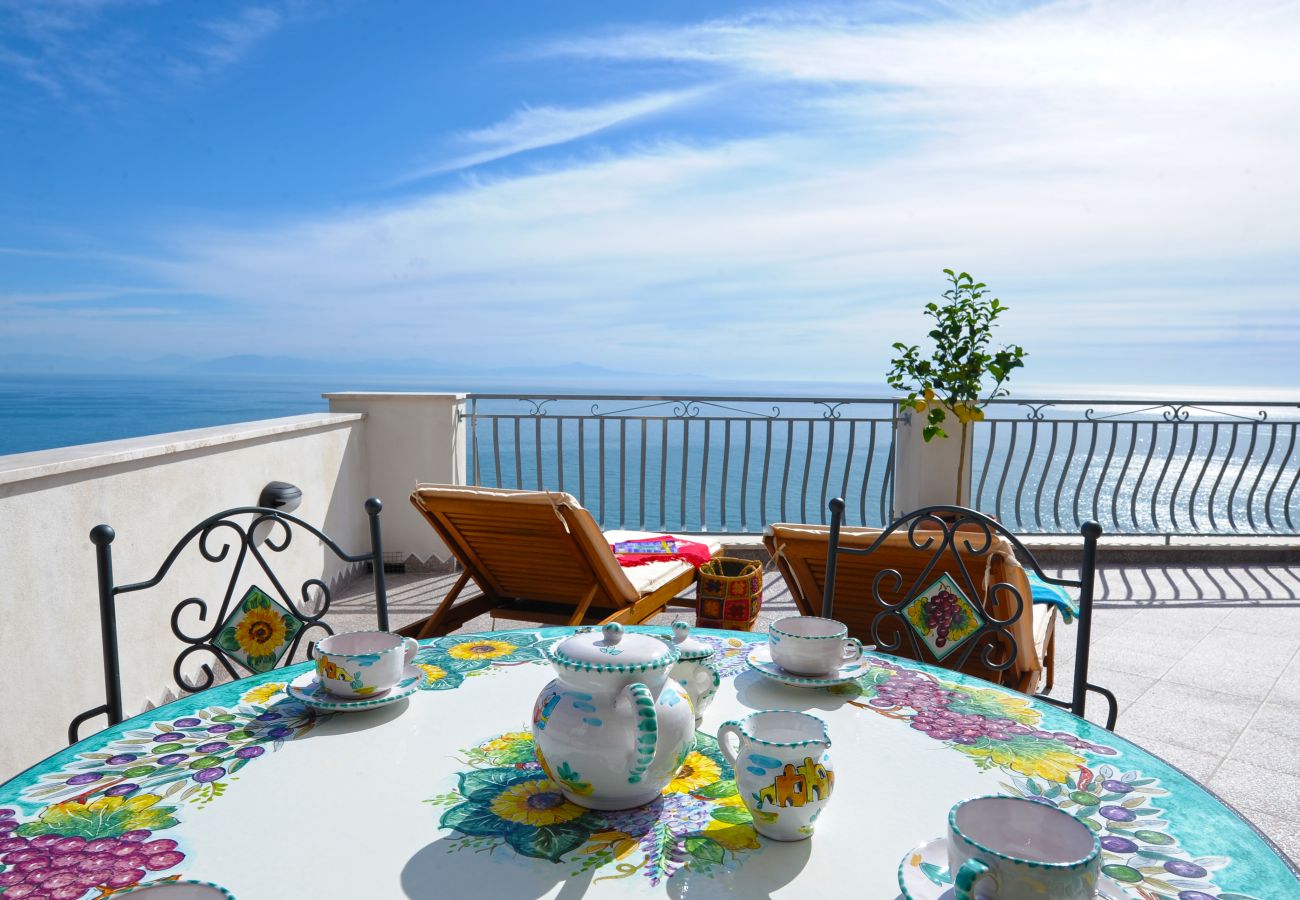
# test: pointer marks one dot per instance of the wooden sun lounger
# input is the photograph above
(800, 555)
(538, 556)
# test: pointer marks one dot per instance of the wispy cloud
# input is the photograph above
(534, 127)
(231, 39)
(79, 295)
(92, 49)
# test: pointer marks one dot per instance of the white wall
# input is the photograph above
(410, 439)
(151, 490)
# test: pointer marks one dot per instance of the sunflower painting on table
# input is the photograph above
(509, 797)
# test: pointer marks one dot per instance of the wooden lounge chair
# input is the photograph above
(800, 553)
(539, 556)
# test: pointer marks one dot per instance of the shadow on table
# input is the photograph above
(757, 692)
(758, 876)
(439, 871)
(331, 724)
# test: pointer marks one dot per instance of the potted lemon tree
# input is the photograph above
(955, 380)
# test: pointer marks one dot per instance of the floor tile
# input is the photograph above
(1268, 750)
(1132, 660)
(1227, 645)
(1147, 641)
(1281, 621)
(1243, 677)
(1176, 619)
(1250, 787)
(1286, 690)
(1278, 718)
(1188, 717)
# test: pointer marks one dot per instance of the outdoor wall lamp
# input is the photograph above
(280, 496)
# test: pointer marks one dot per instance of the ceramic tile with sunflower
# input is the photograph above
(258, 631)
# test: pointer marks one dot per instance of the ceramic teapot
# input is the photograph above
(695, 670)
(613, 728)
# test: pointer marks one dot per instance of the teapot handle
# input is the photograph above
(646, 733)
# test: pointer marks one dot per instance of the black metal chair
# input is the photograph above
(261, 621)
(954, 536)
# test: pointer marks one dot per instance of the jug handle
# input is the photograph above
(646, 734)
(724, 745)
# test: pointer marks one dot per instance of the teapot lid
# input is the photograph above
(689, 647)
(612, 650)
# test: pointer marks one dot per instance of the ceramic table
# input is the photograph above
(440, 794)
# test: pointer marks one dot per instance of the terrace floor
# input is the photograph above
(1205, 662)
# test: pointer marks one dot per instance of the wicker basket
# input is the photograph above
(729, 593)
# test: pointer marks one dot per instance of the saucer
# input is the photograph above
(310, 691)
(923, 875)
(760, 660)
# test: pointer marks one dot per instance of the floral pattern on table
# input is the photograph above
(1001, 729)
(94, 830)
(447, 662)
(1138, 850)
(507, 797)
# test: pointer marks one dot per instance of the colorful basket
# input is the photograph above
(729, 593)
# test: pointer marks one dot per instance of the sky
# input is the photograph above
(737, 190)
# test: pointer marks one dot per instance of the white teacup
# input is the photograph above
(362, 663)
(1010, 848)
(810, 645)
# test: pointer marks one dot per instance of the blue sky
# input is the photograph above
(730, 189)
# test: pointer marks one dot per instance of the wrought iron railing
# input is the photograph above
(693, 464)
(1140, 467)
(734, 464)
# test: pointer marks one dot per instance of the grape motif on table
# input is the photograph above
(1138, 850)
(507, 798)
(94, 831)
(994, 728)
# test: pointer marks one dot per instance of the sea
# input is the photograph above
(1143, 472)
(40, 412)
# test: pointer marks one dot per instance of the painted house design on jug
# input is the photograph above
(797, 786)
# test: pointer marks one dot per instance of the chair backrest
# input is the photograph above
(255, 632)
(939, 553)
(878, 574)
(538, 545)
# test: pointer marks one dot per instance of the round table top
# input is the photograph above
(242, 786)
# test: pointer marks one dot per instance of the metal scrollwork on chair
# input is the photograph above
(256, 631)
(942, 619)
(941, 615)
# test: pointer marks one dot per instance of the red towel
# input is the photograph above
(687, 551)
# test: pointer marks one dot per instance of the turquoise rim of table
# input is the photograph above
(1163, 835)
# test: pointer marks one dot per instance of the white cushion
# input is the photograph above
(649, 577)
